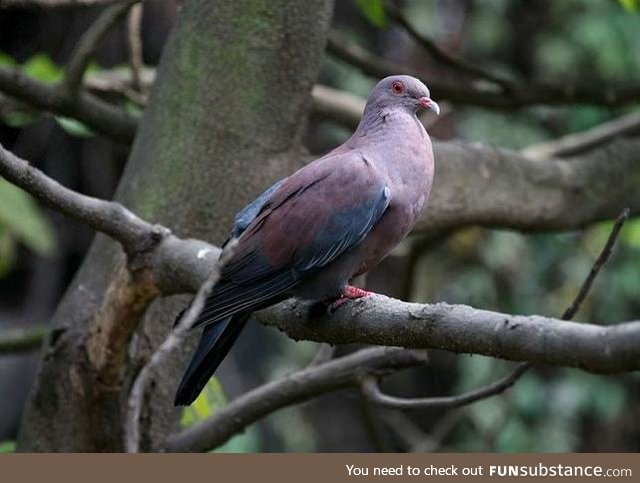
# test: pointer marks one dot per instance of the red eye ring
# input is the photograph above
(397, 87)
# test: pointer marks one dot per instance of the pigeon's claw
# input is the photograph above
(349, 293)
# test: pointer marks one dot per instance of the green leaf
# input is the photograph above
(208, 402)
(7, 446)
(21, 216)
(74, 127)
(374, 12)
(19, 119)
(631, 6)
(631, 233)
(42, 68)
(133, 109)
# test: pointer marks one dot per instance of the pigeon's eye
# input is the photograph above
(397, 87)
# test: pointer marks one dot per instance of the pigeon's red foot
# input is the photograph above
(349, 293)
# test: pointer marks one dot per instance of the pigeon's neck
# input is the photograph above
(395, 141)
(382, 127)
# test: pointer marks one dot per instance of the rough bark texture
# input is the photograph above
(225, 120)
(477, 185)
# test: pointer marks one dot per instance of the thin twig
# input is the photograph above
(88, 43)
(604, 255)
(577, 143)
(134, 35)
(173, 340)
(485, 94)
(371, 390)
(442, 56)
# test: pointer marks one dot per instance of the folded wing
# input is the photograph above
(294, 229)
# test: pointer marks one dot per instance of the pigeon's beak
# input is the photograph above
(427, 103)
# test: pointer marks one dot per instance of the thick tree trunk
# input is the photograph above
(225, 120)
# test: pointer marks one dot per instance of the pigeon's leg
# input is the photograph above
(349, 293)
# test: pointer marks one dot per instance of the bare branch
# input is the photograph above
(121, 81)
(340, 106)
(134, 35)
(604, 255)
(98, 115)
(489, 95)
(108, 217)
(443, 57)
(21, 340)
(291, 389)
(572, 144)
(371, 390)
(380, 320)
(88, 43)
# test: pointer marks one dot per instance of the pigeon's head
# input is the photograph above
(402, 91)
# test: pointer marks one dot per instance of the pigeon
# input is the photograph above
(310, 234)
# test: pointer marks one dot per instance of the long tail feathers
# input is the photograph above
(216, 341)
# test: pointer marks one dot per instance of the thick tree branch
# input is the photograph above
(375, 320)
(296, 387)
(488, 95)
(381, 320)
(107, 217)
(21, 340)
(98, 115)
(497, 188)
(88, 43)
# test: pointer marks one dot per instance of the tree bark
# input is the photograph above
(224, 121)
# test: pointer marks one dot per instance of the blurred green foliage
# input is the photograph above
(546, 410)
(374, 11)
(7, 446)
(45, 70)
(21, 220)
(211, 400)
(632, 6)
(42, 68)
